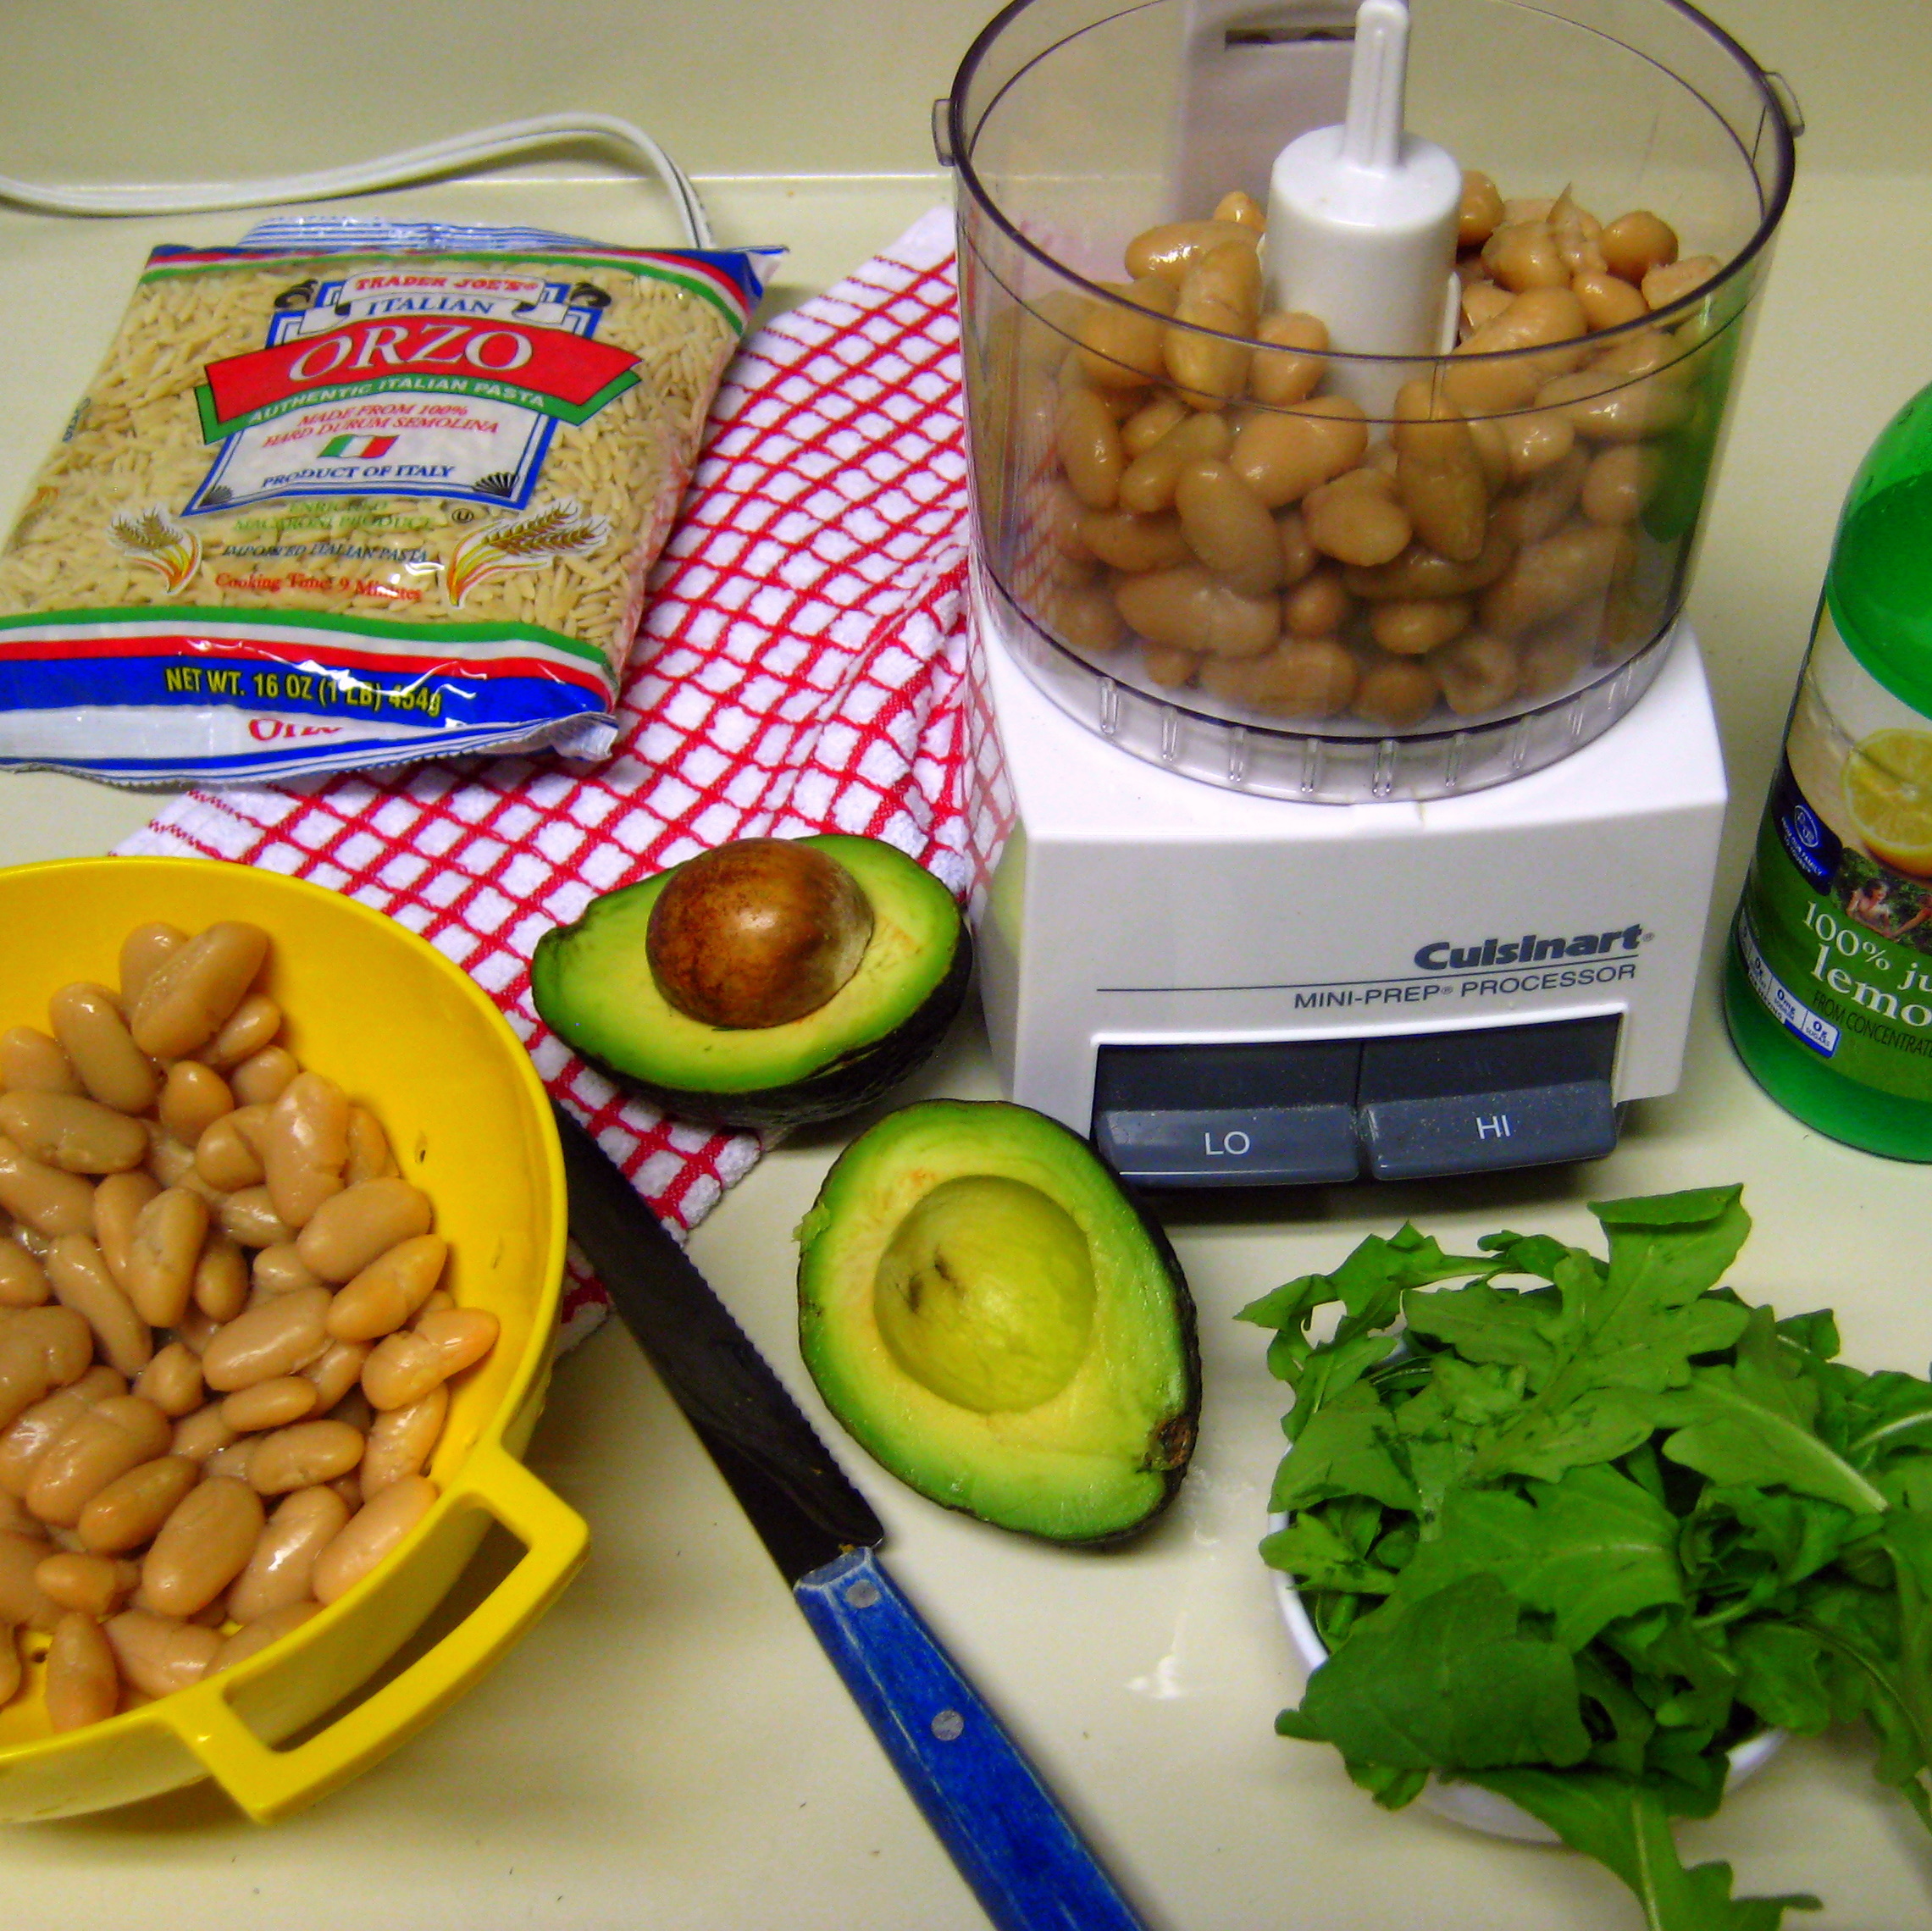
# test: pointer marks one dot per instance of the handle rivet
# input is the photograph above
(862, 1595)
(947, 1725)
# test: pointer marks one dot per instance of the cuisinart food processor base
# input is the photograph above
(1232, 990)
(1349, 794)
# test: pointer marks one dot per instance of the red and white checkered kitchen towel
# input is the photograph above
(798, 669)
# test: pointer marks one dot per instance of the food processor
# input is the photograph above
(1346, 791)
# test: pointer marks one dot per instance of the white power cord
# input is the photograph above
(458, 153)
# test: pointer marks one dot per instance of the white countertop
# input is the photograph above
(670, 1747)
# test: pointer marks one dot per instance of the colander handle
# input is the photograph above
(269, 1784)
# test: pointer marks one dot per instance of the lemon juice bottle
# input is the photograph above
(1828, 984)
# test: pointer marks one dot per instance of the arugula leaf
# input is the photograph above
(1687, 1767)
(1445, 1424)
(1816, 1333)
(1368, 1284)
(1883, 1646)
(1751, 1422)
(1291, 1304)
(1665, 1251)
(1587, 1550)
(1886, 1414)
(1685, 1674)
(1395, 1548)
(1906, 1482)
(1393, 1790)
(1624, 1825)
(1372, 1281)
(1463, 1401)
(1696, 1207)
(1648, 1307)
(1357, 1520)
(1625, 1344)
(1598, 1426)
(1641, 1466)
(1781, 1675)
(1483, 1325)
(1311, 1551)
(1525, 1253)
(1629, 1719)
(1634, 1325)
(1330, 1371)
(1743, 1548)
(1455, 1684)
(1347, 1448)
(1567, 1424)
(1909, 1538)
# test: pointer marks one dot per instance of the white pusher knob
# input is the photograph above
(1362, 222)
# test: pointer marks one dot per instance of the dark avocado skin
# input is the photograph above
(1179, 1435)
(847, 1086)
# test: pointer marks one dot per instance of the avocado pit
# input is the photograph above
(985, 1294)
(757, 933)
(593, 983)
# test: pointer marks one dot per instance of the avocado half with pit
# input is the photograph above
(594, 986)
(992, 1318)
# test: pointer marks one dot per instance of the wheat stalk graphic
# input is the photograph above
(521, 542)
(152, 539)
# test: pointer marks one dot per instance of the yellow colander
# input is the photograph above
(391, 1021)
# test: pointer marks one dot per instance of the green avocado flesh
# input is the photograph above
(592, 986)
(992, 1319)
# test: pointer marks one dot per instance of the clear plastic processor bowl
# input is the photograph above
(1076, 125)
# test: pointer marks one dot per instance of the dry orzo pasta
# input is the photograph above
(355, 492)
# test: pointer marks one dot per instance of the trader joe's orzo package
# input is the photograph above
(356, 492)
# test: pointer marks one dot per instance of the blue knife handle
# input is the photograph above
(1012, 1843)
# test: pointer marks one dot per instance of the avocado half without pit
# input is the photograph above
(768, 983)
(995, 1320)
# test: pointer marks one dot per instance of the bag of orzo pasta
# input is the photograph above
(358, 492)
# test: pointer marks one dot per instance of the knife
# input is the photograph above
(1011, 1841)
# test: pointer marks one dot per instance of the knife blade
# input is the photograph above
(1013, 1843)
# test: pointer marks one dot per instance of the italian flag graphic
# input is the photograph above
(365, 447)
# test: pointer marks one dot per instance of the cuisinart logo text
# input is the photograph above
(1443, 955)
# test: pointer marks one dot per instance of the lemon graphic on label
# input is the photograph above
(1888, 787)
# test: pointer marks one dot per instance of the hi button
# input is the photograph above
(1501, 1096)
